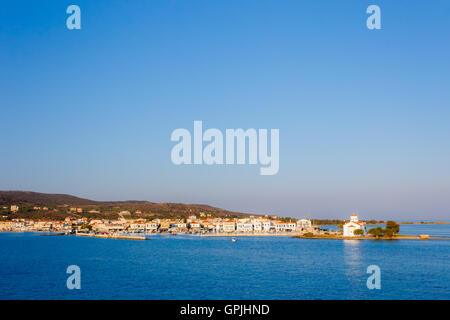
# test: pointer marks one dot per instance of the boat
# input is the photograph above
(233, 239)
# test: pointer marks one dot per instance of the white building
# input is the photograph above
(291, 226)
(152, 227)
(109, 226)
(352, 225)
(137, 227)
(195, 225)
(303, 224)
(280, 226)
(267, 225)
(244, 227)
(257, 226)
(228, 226)
(19, 225)
(14, 208)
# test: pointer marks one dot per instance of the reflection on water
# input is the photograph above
(352, 257)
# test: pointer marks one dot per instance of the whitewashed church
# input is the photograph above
(352, 225)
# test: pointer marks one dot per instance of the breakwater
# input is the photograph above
(125, 237)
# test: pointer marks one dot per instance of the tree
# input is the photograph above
(392, 228)
(389, 233)
(377, 232)
(358, 232)
(86, 226)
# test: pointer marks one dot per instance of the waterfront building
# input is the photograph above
(6, 226)
(280, 226)
(19, 225)
(257, 226)
(303, 224)
(112, 227)
(164, 226)
(352, 225)
(151, 226)
(244, 227)
(208, 225)
(137, 227)
(195, 226)
(267, 226)
(291, 226)
(228, 226)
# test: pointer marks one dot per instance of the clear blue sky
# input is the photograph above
(364, 116)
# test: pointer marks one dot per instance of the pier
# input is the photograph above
(292, 234)
(106, 236)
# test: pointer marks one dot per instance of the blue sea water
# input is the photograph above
(190, 267)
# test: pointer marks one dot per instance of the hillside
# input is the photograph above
(36, 198)
(59, 206)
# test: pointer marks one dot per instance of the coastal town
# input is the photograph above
(194, 224)
(125, 227)
(201, 224)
